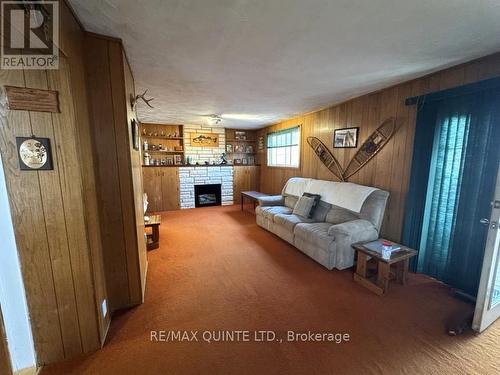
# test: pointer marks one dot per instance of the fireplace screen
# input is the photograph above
(207, 195)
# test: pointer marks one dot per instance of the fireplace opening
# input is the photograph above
(207, 195)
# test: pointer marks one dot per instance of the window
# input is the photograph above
(283, 148)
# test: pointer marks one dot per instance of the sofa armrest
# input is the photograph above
(346, 234)
(272, 200)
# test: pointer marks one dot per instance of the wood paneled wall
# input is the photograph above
(49, 223)
(55, 212)
(119, 177)
(390, 169)
(72, 38)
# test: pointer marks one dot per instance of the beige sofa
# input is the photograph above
(347, 213)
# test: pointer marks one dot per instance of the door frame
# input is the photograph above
(483, 315)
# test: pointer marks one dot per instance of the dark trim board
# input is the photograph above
(486, 84)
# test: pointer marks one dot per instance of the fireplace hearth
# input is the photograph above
(207, 195)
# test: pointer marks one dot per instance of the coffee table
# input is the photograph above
(379, 285)
(153, 239)
(251, 196)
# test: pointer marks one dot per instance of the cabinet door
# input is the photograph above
(254, 178)
(170, 189)
(239, 175)
(152, 187)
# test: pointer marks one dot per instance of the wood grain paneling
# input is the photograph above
(72, 37)
(54, 212)
(49, 224)
(118, 168)
(390, 169)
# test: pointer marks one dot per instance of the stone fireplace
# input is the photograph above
(191, 177)
(207, 195)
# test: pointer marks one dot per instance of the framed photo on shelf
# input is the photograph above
(177, 159)
(239, 148)
(345, 138)
(229, 148)
(170, 160)
(237, 161)
(251, 160)
(249, 149)
(239, 135)
(244, 161)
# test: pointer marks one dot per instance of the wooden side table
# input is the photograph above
(400, 259)
(153, 239)
(251, 196)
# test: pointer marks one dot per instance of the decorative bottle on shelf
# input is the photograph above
(147, 158)
(145, 145)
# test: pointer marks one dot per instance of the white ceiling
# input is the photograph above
(267, 60)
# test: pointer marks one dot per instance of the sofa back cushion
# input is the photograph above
(337, 215)
(373, 210)
(291, 201)
(321, 211)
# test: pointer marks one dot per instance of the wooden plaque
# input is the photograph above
(27, 99)
(204, 140)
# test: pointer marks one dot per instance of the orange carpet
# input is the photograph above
(216, 270)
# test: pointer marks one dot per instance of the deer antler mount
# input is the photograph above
(133, 100)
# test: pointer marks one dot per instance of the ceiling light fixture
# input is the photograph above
(214, 119)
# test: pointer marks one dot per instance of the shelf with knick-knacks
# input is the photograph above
(241, 146)
(162, 144)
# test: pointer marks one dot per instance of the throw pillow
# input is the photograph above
(306, 204)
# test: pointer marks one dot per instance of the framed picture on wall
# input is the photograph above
(260, 143)
(34, 154)
(135, 134)
(345, 138)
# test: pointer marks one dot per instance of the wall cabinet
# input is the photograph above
(245, 178)
(161, 184)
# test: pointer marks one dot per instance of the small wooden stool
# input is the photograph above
(400, 258)
(153, 239)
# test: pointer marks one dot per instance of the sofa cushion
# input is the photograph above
(269, 211)
(314, 233)
(289, 221)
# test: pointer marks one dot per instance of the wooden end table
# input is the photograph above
(379, 285)
(153, 239)
(251, 196)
